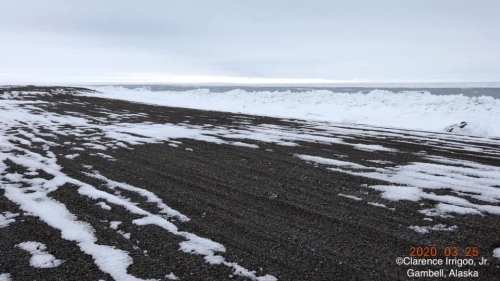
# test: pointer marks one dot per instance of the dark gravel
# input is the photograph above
(269, 209)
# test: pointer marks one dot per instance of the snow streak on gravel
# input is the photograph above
(31, 193)
(437, 227)
(417, 181)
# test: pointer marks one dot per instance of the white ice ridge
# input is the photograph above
(407, 109)
(39, 257)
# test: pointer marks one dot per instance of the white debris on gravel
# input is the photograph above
(496, 253)
(326, 161)
(377, 204)
(350, 197)
(39, 257)
(7, 218)
(72, 156)
(104, 205)
(114, 224)
(237, 143)
(372, 147)
(444, 210)
(437, 227)
(121, 144)
(105, 156)
(171, 276)
(95, 146)
(124, 234)
(5, 277)
(380, 162)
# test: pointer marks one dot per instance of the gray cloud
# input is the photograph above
(371, 40)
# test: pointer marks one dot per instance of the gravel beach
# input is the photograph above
(276, 214)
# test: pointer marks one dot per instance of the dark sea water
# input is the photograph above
(470, 92)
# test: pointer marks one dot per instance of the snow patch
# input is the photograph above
(104, 206)
(114, 224)
(72, 156)
(39, 257)
(445, 209)
(372, 147)
(437, 227)
(7, 218)
(237, 143)
(496, 253)
(171, 276)
(327, 161)
(416, 181)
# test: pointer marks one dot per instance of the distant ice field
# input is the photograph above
(492, 90)
(467, 111)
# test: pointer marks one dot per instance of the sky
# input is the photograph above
(257, 41)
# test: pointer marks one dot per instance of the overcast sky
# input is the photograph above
(161, 41)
